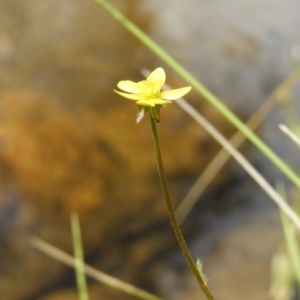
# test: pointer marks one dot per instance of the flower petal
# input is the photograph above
(160, 101)
(129, 96)
(158, 75)
(175, 94)
(129, 86)
(146, 103)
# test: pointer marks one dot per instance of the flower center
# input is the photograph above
(149, 89)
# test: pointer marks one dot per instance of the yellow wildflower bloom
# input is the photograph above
(148, 94)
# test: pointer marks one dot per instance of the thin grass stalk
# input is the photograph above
(258, 178)
(290, 239)
(212, 99)
(290, 134)
(99, 276)
(236, 140)
(79, 262)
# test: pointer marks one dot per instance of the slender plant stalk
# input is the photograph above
(79, 260)
(202, 90)
(171, 212)
(290, 238)
(99, 276)
(290, 134)
(236, 140)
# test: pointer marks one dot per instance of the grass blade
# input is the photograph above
(212, 99)
(79, 261)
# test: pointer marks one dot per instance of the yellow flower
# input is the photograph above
(148, 94)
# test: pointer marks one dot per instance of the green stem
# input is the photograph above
(79, 259)
(202, 90)
(172, 215)
(291, 240)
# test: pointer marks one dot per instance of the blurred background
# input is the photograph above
(69, 144)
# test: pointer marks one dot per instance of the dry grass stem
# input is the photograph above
(290, 134)
(90, 271)
(260, 180)
(237, 140)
